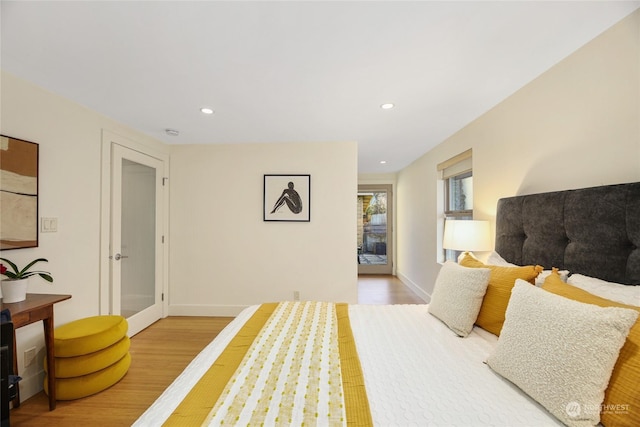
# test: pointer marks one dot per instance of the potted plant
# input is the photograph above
(14, 287)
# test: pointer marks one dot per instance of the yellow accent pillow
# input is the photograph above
(496, 299)
(621, 406)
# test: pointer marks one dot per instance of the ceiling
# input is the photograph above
(296, 71)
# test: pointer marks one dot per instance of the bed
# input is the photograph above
(536, 356)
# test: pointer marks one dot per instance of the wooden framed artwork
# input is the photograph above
(18, 193)
(287, 198)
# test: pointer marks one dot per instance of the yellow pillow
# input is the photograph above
(621, 406)
(496, 299)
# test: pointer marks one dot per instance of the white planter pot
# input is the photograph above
(14, 290)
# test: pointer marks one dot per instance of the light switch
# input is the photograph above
(49, 225)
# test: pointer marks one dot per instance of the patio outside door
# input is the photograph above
(136, 237)
(374, 229)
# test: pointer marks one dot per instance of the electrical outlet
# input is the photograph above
(296, 295)
(29, 356)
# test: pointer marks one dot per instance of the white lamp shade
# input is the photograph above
(467, 235)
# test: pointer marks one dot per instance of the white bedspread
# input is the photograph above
(417, 372)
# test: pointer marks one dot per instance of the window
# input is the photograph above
(459, 196)
(457, 178)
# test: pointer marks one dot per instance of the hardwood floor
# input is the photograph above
(383, 289)
(159, 354)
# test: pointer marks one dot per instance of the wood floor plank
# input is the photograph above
(385, 289)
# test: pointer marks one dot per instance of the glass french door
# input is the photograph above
(136, 233)
(374, 229)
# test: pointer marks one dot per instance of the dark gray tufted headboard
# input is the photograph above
(592, 231)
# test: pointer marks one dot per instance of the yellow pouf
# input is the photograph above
(86, 385)
(85, 336)
(68, 367)
(92, 354)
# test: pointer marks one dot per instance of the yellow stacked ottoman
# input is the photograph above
(92, 354)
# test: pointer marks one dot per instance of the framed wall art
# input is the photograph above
(18, 193)
(287, 198)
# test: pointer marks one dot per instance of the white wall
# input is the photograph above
(69, 136)
(225, 257)
(577, 125)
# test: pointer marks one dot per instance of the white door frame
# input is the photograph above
(109, 138)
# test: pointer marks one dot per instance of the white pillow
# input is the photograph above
(624, 294)
(559, 351)
(564, 274)
(457, 296)
(496, 259)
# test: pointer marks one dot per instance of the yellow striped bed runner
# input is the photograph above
(292, 363)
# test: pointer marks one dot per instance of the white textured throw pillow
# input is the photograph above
(624, 294)
(560, 352)
(457, 296)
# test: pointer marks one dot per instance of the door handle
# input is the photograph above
(118, 257)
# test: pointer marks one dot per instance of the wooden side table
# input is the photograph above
(35, 308)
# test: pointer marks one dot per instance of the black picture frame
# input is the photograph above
(287, 197)
(19, 188)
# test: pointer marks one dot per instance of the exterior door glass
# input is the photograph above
(372, 228)
(374, 218)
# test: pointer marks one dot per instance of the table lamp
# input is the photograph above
(467, 235)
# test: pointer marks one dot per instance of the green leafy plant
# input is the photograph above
(18, 274)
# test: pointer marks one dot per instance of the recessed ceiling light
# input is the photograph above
(382, 162)
(206, 110)
(387, 106)
(172, 132)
